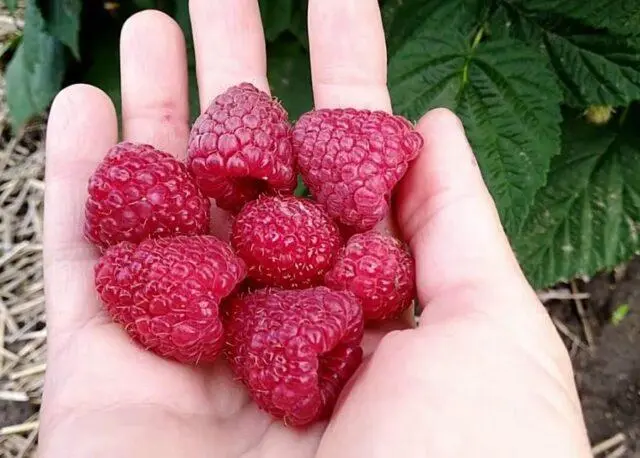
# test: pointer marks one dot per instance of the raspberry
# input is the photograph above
(295, 350)
(379, 271)
(138, 192)
(286, 242)
(352, 159)
(241, 147)
(166, 292)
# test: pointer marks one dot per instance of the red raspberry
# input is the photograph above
(241, 147)
(295, 350)
(352, 159)
(379, 271)
(138, 192)
(166, 292)
(286, 242)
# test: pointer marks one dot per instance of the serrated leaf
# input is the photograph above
(11, 5)
(290, 75)
(618, 16)
(276, 17)
(62, 18)
(298, 26)
(594, 68)
(508, 101)
(404, 18)
(35, 72)
(587, 217)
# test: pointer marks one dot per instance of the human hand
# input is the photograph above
(485, 373)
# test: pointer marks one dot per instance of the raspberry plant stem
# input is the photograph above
(474, 44)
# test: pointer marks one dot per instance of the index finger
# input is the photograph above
(348, 55)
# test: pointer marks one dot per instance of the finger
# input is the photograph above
(82, 127)
(230, 49)
(447, 215)
(375, 332)
(155, 102)
(465, 268)
(348, 54)
(229, 46)
(348, 58)
(483, 336)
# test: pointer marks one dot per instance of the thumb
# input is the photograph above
(485, 355)
(465, 268)
(466, 271)
(446, 214)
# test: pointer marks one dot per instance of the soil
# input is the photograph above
(14, 413)
(609, 379)
(608, 376)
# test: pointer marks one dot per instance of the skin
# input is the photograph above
(485, 373)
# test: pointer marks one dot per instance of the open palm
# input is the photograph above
(104, 396)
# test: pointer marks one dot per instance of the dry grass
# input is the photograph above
(22, 314)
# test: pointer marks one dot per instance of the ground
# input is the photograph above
(609, 379)
(605, 354)
(22, 318)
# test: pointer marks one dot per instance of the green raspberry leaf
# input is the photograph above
(594, 67)
(276, 17)
(36, 71)
(618, 16)
(506, 97)
(290, 75)
(405, 18)
(63, 21)
(587, 217)
(298, 25)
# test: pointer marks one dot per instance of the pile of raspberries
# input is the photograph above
(287, 299)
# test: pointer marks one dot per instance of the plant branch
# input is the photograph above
(586, 326)
(474, 44)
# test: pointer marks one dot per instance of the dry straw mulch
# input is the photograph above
(22, 315)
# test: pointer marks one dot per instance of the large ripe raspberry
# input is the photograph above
(352, 159)
(241, 147)
(295, 350)
(286, 242)
(138, 192)
(166, 292)
(379, 271)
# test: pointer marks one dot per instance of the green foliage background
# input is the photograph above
(520, 73)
